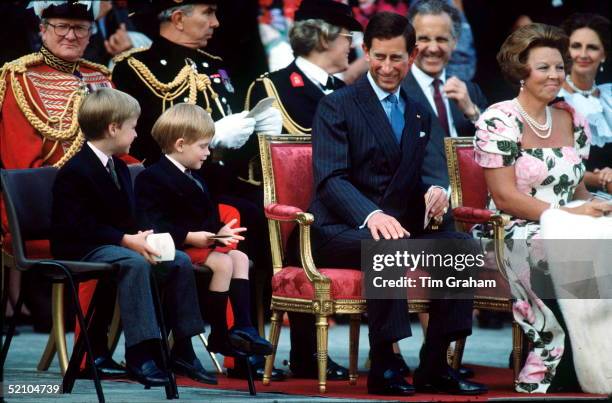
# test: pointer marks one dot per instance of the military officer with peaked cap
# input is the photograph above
(176, 68)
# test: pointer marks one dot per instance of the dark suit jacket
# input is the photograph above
(435, 171)
(168, 201)
(88, 210)
(360, 167)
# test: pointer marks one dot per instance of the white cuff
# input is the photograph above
(365, 222)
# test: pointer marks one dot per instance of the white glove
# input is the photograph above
(269, 121)
(233, 131)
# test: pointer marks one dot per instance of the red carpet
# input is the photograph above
(498, 380)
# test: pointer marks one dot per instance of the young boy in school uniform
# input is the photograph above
(93, 220)
(172, 197)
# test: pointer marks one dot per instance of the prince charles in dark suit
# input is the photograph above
(369, 140)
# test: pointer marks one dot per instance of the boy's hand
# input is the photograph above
(138, 243)
(234, 233)
(199, 239)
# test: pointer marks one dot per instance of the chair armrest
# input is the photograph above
(282, 212)
(472, 215)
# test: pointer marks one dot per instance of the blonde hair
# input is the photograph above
(103, 107)
(186, 121)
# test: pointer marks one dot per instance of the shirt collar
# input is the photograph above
(380, 93)
(101, 156)
(180, 166)
(312, 71)
(424, 79)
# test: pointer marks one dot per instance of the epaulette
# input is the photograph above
(19, 65)
(95, 66)
(124, 55)
(209, 55)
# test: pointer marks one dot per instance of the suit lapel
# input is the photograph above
(438, 133)
(179, 179)
(376, 118)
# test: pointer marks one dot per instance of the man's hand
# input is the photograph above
(233, 233)
(233, 131)
(387, 226)
(119, 41)
(269, 121)
(604, 176)
(436, 201)
(457, 90)
(138, 243)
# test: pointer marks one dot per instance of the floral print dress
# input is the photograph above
(550, 175)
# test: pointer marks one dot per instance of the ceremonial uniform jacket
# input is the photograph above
(166, 74)
(40, 95)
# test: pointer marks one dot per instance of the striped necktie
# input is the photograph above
(110, 165)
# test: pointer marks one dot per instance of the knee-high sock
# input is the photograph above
(240, 296)
(216, 305)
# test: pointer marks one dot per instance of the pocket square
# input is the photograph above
(422, 134)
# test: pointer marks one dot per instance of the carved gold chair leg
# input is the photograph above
(114, 332)
(275, 327)
(355, 327)
(57, 337)
(212, 355)
(517, 349)
(322, 328)
(457, 356)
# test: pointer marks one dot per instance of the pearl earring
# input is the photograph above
(522, 84)
(601, 65)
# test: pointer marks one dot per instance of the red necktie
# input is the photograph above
(440, 107)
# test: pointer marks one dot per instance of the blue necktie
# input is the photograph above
(197, 182)
(396, 117)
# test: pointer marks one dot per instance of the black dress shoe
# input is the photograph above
(107, 369)
(390, 383)
(193, 370)
(221, 345)
(249, 341)
(310, 370)
(148, 374)
(258, 363)
(449, 382)
(465, 372)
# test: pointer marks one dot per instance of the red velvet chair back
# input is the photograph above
(287, 167)
(469, 188)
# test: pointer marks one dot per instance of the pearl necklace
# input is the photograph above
(533, 124)
(584, 93)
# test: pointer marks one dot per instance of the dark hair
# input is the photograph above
(596, 22)
(512, 56)
(387, 25)
(437, 7)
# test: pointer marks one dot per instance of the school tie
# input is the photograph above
(110, 165)
(440, 107)
(396, 117)
(329, 85)
(197, 182)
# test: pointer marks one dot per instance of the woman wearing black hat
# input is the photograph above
(321, 39)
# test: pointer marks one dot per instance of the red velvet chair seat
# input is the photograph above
(291, 282)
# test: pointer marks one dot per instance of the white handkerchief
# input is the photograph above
(422, 134)
(163, 244)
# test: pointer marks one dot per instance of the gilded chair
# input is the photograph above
(287, 175)
(469, 196)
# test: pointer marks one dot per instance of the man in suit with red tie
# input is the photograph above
(369, 141)
(455, 103)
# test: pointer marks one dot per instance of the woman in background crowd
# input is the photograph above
(589, 46)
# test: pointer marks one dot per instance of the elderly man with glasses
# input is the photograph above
(40, 95)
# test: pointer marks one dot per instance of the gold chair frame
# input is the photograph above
(322, 305)
(499, 304)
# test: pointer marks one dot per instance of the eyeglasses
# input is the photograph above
(347, 36)
(80, 31)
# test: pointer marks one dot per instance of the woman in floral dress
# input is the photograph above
(532, 154)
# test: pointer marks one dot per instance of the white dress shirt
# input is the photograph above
(101, 156)
(314, 73)
(180, 166)
(425, 81)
